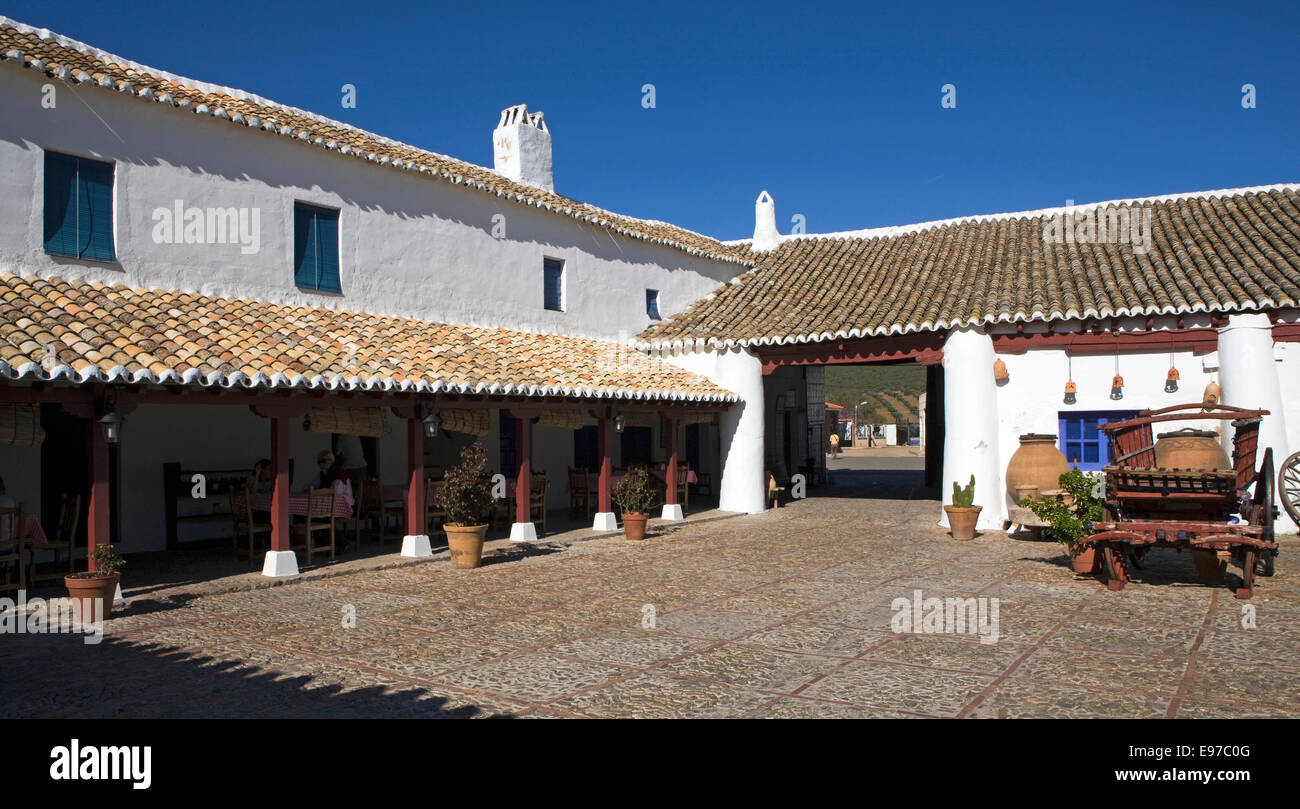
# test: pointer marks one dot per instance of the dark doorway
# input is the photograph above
(586, 453)
(635, 445)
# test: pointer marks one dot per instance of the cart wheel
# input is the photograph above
(1266, 563)
(1288, 486)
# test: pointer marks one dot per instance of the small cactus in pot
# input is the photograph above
(963, 514)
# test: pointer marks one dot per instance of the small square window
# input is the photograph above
(78, 207)
(652, 304)
(316, 248)
(553, 284)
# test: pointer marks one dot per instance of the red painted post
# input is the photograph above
(415, 488)
(97, 522)
(523, 463)
(670, 424)
(280, 488)
(602, 447)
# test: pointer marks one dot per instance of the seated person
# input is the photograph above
(331, 469)
(261, 481)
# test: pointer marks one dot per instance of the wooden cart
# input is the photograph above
(1149, 507)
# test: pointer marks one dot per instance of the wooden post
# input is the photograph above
(415, 488)
(602, 483)
(524, 467)
(280, 490)
(670, 424)
(97, 518)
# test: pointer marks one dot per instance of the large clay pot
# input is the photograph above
(466, 544)
(1191, 449)
(961, 521)
(1084, 561)
(82, 587)
(1038, 463)
(634, 525)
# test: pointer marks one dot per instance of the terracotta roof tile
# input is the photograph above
(274, 345)
(1213, 252)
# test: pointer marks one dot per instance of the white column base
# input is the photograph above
(523, 532)
(118, 598)
(280, 563)
(672, 512)
(416, 546)
(605, 521)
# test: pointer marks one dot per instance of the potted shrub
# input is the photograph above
(1068, 515)
(465, 496)
(635, 497)
(962, 515)
(99, 583)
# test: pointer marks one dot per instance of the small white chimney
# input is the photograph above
(521, 148)
(765, 235)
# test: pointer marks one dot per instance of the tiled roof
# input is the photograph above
(80, 331)
(75, 62)
(1210, 252)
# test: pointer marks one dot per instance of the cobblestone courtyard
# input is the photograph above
(785, 614)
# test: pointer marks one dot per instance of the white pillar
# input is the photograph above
(970, 442)
(742, 487)
(1248, 375)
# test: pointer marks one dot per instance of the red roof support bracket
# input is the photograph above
(924, 348)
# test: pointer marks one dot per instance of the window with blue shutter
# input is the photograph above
(1081, 439)
(316, 248)
(652, 304)
(78, 207)
(553, 284)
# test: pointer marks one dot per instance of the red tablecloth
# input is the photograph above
(298, 505)
(34, 533)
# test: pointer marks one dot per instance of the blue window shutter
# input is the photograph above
(95, 198)
(553, 291)
(652, 304)
(304, 247)
(60, 204)
(327, 251)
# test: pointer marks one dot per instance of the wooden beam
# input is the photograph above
(1198, 340)
(280, 487)
(925, 348)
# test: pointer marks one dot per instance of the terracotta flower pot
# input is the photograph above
(84, 587)
(634, 525)
(961, 521)
(466, 544)
(1084, 561)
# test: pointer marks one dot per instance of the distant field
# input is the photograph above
(890, 391)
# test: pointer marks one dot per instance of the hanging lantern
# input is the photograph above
(1117, 387)
(1000, 371)
(111, 423)
(1211, 396)
(620, 421)
(1171, 380)
(431, 424)
(1070, 387)
(1070, 390)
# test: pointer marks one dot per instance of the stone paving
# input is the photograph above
(785, 614)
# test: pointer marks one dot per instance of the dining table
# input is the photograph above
(298, 505)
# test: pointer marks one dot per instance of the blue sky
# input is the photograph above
(833, 109)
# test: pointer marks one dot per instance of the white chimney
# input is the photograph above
(521, 148)
(765, 235)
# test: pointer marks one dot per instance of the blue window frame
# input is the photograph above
(316, 248)
(1081, 440)
(553, 284)
(652, 304)
(78, 207)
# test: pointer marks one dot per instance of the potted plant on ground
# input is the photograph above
(1068, 515)
(962, 514)
(635, 497)
(100, 583)
(465, 496)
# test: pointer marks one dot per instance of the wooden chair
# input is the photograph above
(703, 484)
(537, 498)
(358, 504)
(13, 548)
(773, 491)
(581, 497)
(319, 519)
(243, 522)
(64, 540)
(684, 488)
(433, 515)
(382, 509)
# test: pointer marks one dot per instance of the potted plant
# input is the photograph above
(635, 497)
(465, 496)
(1069, 514)
(100, 583)
(962, 514)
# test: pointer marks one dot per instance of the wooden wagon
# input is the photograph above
(1209, 511)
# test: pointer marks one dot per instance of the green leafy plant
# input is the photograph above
(106, 562)
(465, 494)
(963, 497)
(634, 494)
(1067, 520)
